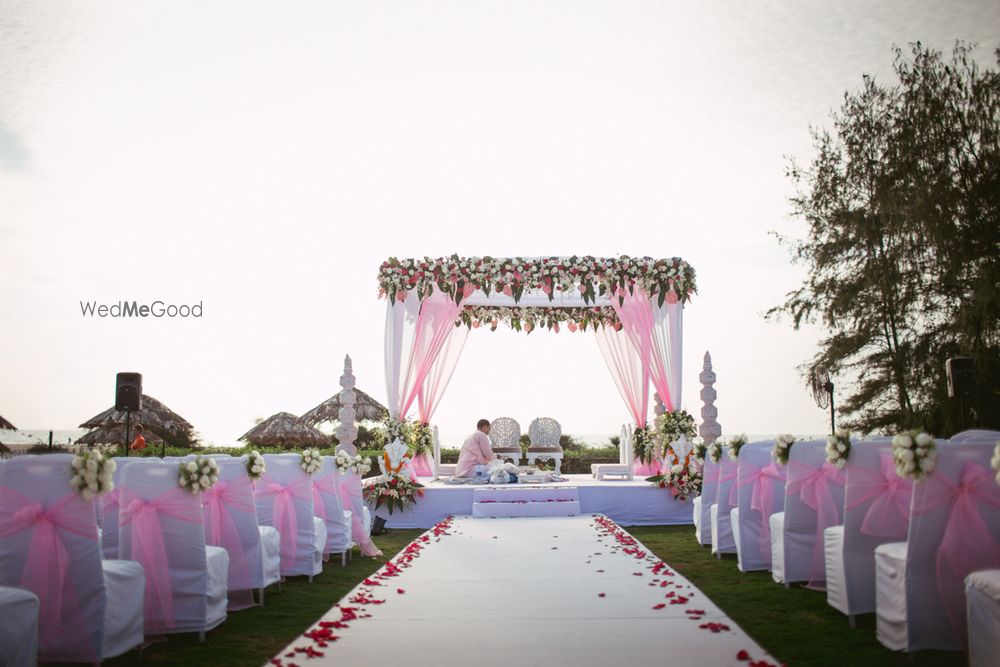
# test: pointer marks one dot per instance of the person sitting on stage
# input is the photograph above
(475, 450)
(139, 442)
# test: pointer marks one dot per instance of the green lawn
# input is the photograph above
(795, 625)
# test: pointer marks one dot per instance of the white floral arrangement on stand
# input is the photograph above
(256, 467)
(782, 446)
(714, 451)
(735, 443)
(311, 461)
(354, 464)
(93, 474)
(670, 426)
(198, 475)
(838, 448)
(995, 461)
(915, 454)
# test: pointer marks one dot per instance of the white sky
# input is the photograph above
(264, 158)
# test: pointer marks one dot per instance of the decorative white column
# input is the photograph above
(710, 429)
(347, 431)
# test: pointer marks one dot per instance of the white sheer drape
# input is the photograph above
(668, 332)
(627, 370)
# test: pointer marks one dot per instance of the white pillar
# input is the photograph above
(347, 431)
(710, 429)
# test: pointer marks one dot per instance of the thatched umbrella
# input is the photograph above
(156, 419)
(6, 425)
(366, 408)
(285, 430)
(115, 435)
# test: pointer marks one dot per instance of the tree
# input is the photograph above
(902, 204)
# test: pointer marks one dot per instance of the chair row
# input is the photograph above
(152, 558)
(875, 541)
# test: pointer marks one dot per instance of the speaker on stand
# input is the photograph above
(961, 374)
(128, 399)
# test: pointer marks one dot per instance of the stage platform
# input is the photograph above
(629, 503)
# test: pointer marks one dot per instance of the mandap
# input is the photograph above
(633, 305)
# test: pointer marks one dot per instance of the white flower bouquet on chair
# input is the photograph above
(92, 474)
(256, 467)
(198, 475)
(915, 454)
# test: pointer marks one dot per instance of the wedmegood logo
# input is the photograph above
(158, 309)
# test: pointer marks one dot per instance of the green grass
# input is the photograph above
(794, 625)
(254, 636)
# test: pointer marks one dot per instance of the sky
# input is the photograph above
(263, 159)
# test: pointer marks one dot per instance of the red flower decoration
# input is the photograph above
(742, 655)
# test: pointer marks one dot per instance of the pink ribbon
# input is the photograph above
(761, 479)
(646, 469)
(350, 491)
(967, 544)
(149, 549)
(219, 502)
(812, 485)
(324, 484)
(48, 580)
(284, 516)
(888, 515)
(422, 466)
(727, 472)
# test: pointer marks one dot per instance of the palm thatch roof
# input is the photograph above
(154, 417)
(5, 452)
(115, 435)
(285, 430)
(6, 425)
(366, 408)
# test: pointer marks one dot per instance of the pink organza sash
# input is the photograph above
(109, 501)
(422, 466)
(46, 566)
(324, 484)
(284, 517)
(219, 503)
(812, 485)
(149, 548)
(967, 544)
(888, 515)
(727, 472)
(350, 491)
(646, 469)
(761, 480)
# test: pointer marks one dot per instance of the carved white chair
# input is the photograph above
(505, 439)
(544, 433)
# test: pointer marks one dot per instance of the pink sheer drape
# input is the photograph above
(813, 485)
(285, 518)
(218, 503)
(635, 311)
(627, 370)
(889, 513)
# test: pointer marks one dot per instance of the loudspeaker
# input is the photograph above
(961, 372)
(128, 392)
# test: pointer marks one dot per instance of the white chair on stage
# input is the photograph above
(19, 631)
(760, 491)
(505, 439)
(975, 437)
(108, 506)
(623, 469)
(162, 526)
(954, 531)
(88, 610)
(231, 523)
(544, 434)
(982, 603)
(284, 498)
(721, 504)
(876, 511)
(330, 508)
(814, 501)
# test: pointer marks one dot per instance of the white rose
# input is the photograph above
(905, 455)
(192, 466)
(255, 469)
(905, 441)
(90, 477)
(214, 477)
(105, 478)
(183, 481)
(204, 481)
(923, 440)
(831, 441)
(841, 463)
(76, 482)
(205, 469)
(77, 462)
(909, 467)
(111, 466)
(841, 447)
(91, 465)
(93, 486)
(927, 464)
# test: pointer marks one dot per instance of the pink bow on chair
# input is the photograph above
(52, 585)
(350, 491)
(149, 549)
(324, 485)
(813, 486)
(889, 514)
(967, 544)
(284, 516)
(761, 497)
(218, 503)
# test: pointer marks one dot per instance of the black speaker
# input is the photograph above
(128, 392)
(961, 372)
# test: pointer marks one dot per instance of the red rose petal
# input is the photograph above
(742, 655)
(659, 606)
(400, 591)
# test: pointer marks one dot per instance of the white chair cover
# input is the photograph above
(108, 506)
(703, 504)
(162, 527)
(760, 490)
(800, 527)
(723, 541)
(954, 531)
(284, 498)
(231, 523)
(97, 612)
(877, 510)
(982, 596)
(975, 437)
(330, 508)
(19, 630)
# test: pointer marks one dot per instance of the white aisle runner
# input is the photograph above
(525, 591)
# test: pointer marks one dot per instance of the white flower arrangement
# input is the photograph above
(421, 439)
(915, 454)
(699, 450)
(355, 464)
(995, 461)
(311, 461)
(256, 467)
(396, 429)
(838, 448)
(714, 451)
(735, 443)
(198, 475)
(782, 445)
(93, 474)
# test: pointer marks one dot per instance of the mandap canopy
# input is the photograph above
(633, 304)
